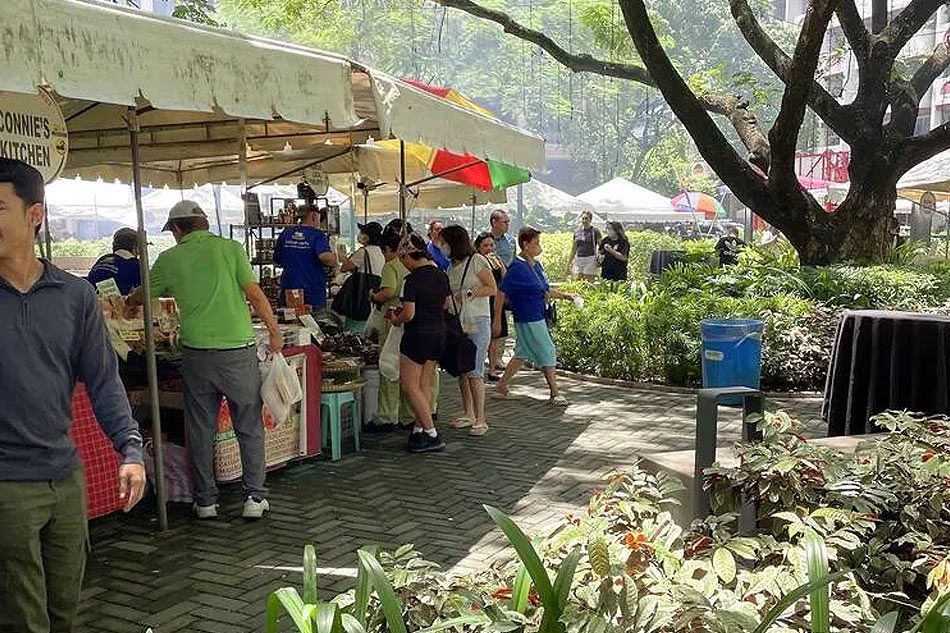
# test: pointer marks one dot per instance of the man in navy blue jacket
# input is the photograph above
(122, 264)
(52, 334)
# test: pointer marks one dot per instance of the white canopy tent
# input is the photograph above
(623, 201)
(931, 175)
(559, 203)
(154, 100)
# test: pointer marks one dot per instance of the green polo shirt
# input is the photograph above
(206, 275)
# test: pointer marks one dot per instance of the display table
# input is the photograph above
(662, 260)
(101, 461)
(886, 360)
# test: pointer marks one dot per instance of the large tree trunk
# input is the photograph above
(859, 230)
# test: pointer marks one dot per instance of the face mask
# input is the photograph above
(446, 249)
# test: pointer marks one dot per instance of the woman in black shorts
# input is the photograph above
(425, 291)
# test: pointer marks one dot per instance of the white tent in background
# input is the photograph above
(88, 209)
(931, 175)
(539, 194)
(623, 201)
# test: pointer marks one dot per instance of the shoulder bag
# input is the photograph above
(353, 300)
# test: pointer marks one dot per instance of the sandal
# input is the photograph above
(559, 401)
(500, 394)
(478, 430)
(461, 422)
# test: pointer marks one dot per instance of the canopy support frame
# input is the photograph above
(150, 356)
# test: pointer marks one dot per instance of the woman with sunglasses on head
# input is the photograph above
(424, 295)
(485, 246)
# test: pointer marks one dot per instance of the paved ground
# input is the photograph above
(538, 463)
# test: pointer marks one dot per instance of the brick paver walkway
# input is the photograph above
(538, 463)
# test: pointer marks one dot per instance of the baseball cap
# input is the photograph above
(373, 229)
(182, 210)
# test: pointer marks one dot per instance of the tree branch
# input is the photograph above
(576, 63)
(734, 108)
(907, 23)
(928, 72)
(825, 106)
(854, 29)
(908, 94)
(919, 148)
(783, 136)
(737, 173)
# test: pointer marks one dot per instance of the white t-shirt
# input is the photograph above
(479, 263)
(376, 259)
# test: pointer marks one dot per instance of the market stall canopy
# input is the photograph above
(434, 194)
(199, 90)
(931, 175)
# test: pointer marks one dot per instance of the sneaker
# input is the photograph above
(206, 513)
(415, 441)
(255, 508)
(377, 426)
(428, 444)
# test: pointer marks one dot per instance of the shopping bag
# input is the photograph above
(353, 300)
(468, 318)
(281, 388)
(374, 324)
(389, 354)
(458, 355)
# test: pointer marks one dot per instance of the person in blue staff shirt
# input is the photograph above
(52, 334)
(122, 264)
(303, 250)
(437, 247)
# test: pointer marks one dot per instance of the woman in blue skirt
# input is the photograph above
(526, 290)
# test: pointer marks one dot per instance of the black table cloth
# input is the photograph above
(661, 260)
(886, 360)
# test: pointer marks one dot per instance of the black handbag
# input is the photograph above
(353, 300)
(458, 354)
(550, 314)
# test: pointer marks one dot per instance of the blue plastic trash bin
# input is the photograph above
(732, 354)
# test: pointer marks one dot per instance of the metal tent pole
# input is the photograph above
(519, 215)
(150, 363)
(48, 238)
(402, 181)
(365, 205)
(474, 199)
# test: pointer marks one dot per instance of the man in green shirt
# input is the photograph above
(211, 279)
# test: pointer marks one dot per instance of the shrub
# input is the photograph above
(845, 543)
(652, 334)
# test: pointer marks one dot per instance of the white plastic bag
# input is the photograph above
(467, 316)
(281, 388)
(389, 354)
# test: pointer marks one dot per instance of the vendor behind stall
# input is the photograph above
(122, 264)
(210, 277)
(52, 335)
(303, 250)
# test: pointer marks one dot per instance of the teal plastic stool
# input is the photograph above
(331, 413)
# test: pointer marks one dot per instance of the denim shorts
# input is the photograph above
(482, 338)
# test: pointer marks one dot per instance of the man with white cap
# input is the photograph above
(210, 277)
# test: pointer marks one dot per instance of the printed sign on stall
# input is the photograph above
(32, 129)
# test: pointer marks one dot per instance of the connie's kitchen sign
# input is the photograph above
(32, 129)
